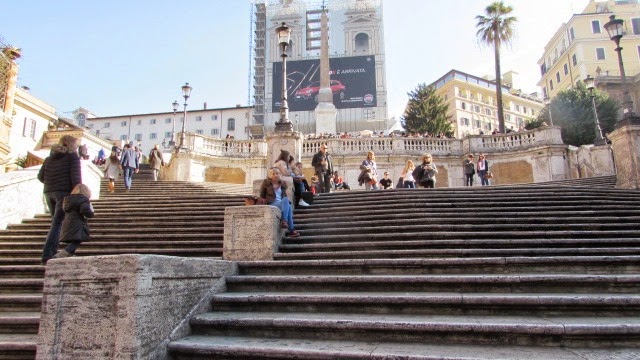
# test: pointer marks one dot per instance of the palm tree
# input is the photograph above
(495, 27)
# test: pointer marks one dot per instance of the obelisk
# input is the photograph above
(325, 110)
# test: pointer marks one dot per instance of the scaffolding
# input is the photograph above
(259, 34)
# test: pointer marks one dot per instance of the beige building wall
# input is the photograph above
(582, 47)
(31, 120)
(473, 106)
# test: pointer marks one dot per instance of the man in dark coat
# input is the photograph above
(321, 163)
(130, 164)
(59, 173)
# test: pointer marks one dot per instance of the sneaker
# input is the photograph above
(61, 254)
(284, 225)
(302, 203)
(294, 233)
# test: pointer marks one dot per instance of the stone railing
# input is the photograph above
(514, 141)
(225, 147)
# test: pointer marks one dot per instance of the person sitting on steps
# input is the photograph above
(274, 191)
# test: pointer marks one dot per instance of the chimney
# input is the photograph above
(205, 105)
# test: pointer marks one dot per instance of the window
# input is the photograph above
(138, 137)
(477, 108)
(107, 125)
(123, 137)
(98, 132)
(533, 112)
(167, 135)
(231, 124)
(477, 123)
(600, 53)
(572, 34)
(362, 43)
(167, 121)
(29, 128)
(214, 132)
(519, 121)
(199, 132)
(123, 123)
(81, 119)
(487, 112)
(558, 77)
(152, 136)
(198, 118)
(595, 26)
(139, 122)
(508, 117)
(152, 121)
(464, 121)
(635, 23)
(524, 109)
(566, 69)
(574, 59)
(214, 117)
(463, 106)
(517, 107)
(551, 84)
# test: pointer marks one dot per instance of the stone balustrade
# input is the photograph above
(225, 147)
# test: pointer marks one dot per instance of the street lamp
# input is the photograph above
(172, 142)
(547, 101)
(590, 83)
(284, 36)
(615, 29)
(186, 92)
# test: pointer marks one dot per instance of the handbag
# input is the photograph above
(254, 200)
(488, 175)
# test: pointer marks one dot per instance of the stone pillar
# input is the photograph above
(251, 233)
(124, 306)
(626, 152)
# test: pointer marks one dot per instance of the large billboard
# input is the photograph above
(353, 83)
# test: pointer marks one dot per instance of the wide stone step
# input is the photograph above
(303, 246)
(497, 330)
(446, 266)
(507, 283)
(26, 256)
(27, 302)
(439, 253)
(21, 271)
(434, 303)
(19, 322)
(18, 346)
(198, 347)
(121, 245)
(23, 285)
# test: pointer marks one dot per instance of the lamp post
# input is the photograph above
(547, 101)
(615, 30)
(172, 142)
(186, 92)
(284, 36)
(590, 83)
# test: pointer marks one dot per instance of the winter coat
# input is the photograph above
(316, 162)
(112, 169)
(469, 167)
(77, 209)
(61, 170)
(421, 174)
(155, 159)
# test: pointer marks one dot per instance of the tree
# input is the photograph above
(495, 28)
(426, 111)
(572, 110)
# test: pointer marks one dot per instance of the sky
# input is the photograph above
(122, 57)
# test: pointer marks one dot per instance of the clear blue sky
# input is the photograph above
(121, 57)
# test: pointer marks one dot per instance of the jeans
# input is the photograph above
(324, 182)
(409, 185)
(54, 202)
(298, 187)
(368, 186)
(128, 176)
(155, 174)
(287, 212)
(468, 179)
(483, 181)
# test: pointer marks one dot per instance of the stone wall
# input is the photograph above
(125, 306)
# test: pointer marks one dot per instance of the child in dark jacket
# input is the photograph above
(75, 229)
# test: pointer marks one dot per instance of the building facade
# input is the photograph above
(473, 105)
(32, 118)
(159, 128)
(582, 47)
(356, 61)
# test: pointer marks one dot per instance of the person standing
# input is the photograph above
(369, 172)
(75, 229)
(469, 170)
(483, 169)
(274, 191)
(425, 174)
(156, 161)
(407, 176)
(60, 173)
(129, 162)
(112, 170)
(321, 163)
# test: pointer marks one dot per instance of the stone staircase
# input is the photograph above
(513, 272)
(164, 218)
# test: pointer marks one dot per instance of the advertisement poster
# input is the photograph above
(353, 83)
